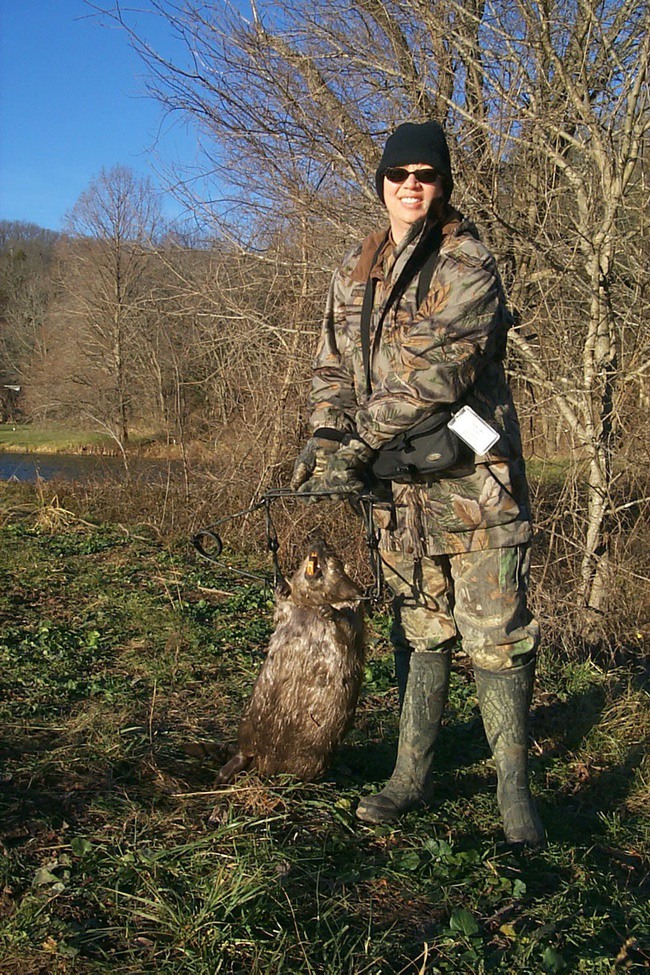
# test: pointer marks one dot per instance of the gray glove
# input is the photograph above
(312, 460)
(345, 473)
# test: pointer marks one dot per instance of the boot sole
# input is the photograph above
(385, 813)
(366, 816)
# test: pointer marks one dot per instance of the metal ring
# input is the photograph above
(216, 545)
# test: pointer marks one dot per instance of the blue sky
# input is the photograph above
(73, 100)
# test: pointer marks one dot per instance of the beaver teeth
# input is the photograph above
(312, 564)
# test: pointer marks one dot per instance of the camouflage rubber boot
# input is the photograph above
(402, 667)
(424, 703)
(504, 699)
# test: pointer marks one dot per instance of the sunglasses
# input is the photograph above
(398, 174)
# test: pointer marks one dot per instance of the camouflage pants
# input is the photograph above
(477, 596)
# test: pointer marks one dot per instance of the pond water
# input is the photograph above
(79, 467)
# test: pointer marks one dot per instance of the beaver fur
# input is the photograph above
(304, 699)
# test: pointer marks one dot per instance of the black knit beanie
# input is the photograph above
(412, 143)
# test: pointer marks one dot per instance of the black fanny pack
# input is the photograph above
(426, 448)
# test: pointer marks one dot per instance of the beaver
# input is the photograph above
(303, 701)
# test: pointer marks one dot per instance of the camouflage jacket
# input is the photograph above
(424, 359)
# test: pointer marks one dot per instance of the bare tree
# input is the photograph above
(547, 108)
(239, 321)
(26, 252)
(105, 268)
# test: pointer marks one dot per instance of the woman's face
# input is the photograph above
(409, 201)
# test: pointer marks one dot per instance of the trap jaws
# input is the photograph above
(209, 545)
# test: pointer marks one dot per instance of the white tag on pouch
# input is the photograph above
(473, 431)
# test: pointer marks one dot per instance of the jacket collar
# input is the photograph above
(374, 247)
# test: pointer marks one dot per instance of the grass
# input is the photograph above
(43, 438)
(125, 663)
(59, 439)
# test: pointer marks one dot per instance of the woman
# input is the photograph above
(456, 550)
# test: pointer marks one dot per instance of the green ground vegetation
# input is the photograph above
(47, 438)
(125, 663)
(59, 438)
